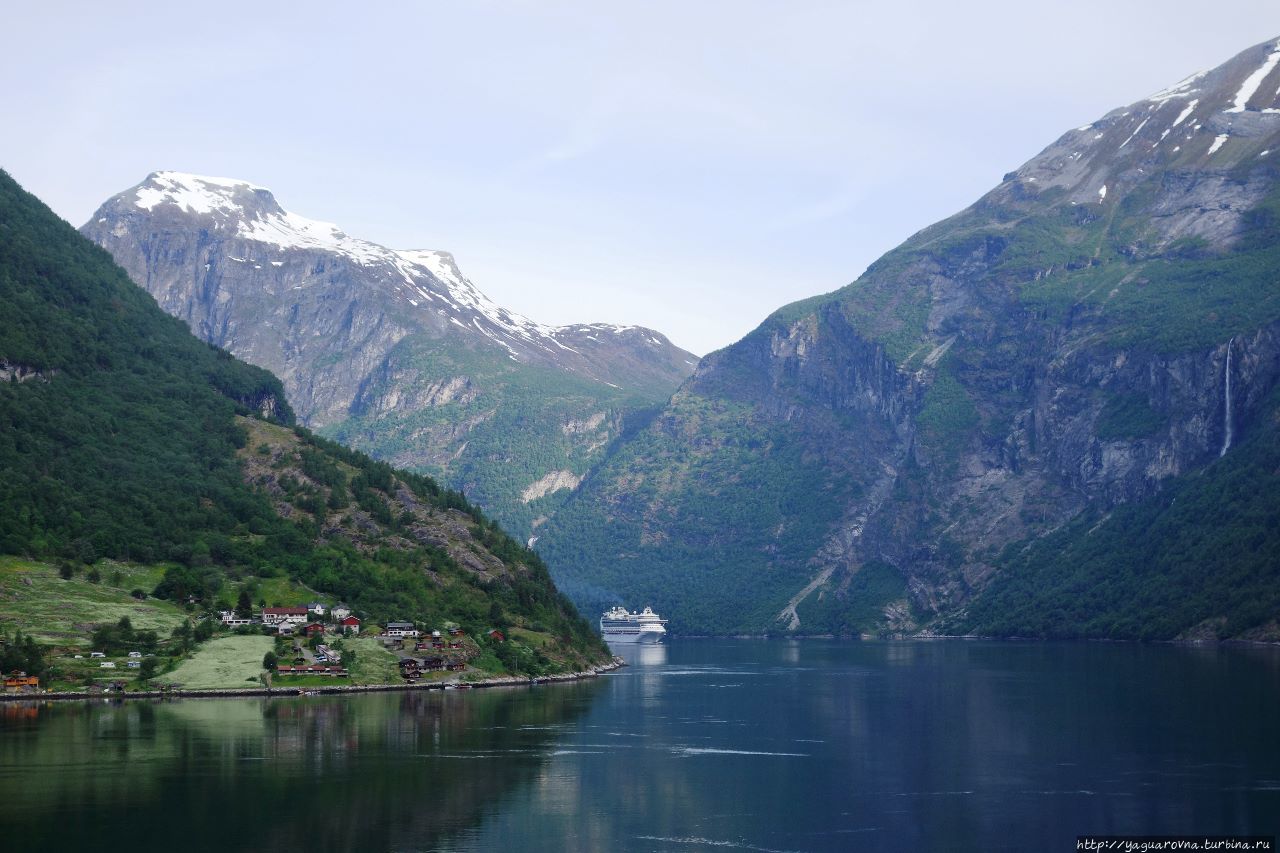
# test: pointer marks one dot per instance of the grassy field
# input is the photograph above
(224, 662)
(60, 612)
(532, 639)
(280, 591)
(374, 664)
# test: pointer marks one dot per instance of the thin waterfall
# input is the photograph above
(1226, 413)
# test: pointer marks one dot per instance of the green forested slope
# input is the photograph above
(1200, 561)
(119, 438)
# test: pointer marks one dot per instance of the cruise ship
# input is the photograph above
(619, 626)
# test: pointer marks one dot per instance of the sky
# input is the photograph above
(686, 166)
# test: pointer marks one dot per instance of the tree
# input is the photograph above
(269, 660)
(94, 575)
(66, 571)
(244, 605)
(148, 669)
(22, 654)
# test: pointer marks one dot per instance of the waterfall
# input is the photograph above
(1226, 413)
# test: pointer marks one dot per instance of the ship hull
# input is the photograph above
(647, 638)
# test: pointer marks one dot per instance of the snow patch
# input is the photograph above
(1102, 194)
(1181, 89)
(1135, 133)
(1182, 116)
(1217, 142)
(1254, 80)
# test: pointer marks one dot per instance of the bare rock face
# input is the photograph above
(1104, 320)
(395, 352)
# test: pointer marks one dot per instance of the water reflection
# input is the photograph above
(382, 771)
(641, 654)
(804, 746)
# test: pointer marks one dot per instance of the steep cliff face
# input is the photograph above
(862, 461)
(393, 351)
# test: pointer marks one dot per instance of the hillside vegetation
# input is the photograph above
(123, 437)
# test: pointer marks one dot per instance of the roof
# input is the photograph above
(391, 625)
(286, 611)
(350, 620)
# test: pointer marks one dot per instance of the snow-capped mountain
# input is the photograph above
(1216, 125)
(396, 351)
(201, 245)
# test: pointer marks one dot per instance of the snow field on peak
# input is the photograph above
(417, 270)
(192, 193)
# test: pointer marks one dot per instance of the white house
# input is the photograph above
(401, 629)
(277, 615)
(316, 607)
(340, 612)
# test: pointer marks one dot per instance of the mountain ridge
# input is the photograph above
(1062, 344)
(395, 352)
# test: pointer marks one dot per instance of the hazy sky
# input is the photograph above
(688, 166)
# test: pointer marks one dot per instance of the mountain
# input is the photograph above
(944, 444)
(122, 436)
(394, 352)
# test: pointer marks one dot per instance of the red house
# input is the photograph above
(351, 624)
(315, 629)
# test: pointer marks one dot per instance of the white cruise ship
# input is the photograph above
(619, 626)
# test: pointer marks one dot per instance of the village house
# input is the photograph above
(340, 612)
(317, 607)
(312, 669)
(231, 620)
(287, 629)
(401, 629)
(21, 682)
(349, 624)
(280, 615)
(315, 629)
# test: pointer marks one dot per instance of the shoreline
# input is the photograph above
(911, 638)
(321, 690)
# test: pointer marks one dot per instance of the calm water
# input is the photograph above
(752, 745)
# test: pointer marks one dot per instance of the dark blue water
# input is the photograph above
(699, 745)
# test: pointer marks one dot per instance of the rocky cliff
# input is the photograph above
(1102, 323)
(395, 352)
